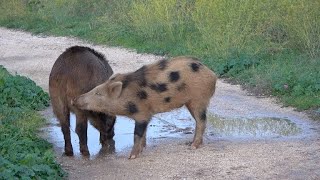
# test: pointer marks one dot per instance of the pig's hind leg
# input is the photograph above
(105, 125)
(81, 130)
(63, 115)
(199, 112)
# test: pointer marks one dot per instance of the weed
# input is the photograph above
(19, 91)
(23, 155)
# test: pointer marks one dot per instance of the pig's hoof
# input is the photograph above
(195, 146)
(109, 143)
(132, 157)
(85, 153)
(68, 153)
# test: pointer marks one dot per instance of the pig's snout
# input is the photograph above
(79, 102)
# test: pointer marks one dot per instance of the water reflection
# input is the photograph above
(175, 124)
(257, 127)
(163, 125)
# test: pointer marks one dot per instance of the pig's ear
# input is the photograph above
(114, 76)
(114, 89)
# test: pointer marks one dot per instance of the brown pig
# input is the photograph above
(77, 71)
(155, 88)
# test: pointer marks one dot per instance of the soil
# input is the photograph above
(296, 157)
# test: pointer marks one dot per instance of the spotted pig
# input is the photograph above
(75, 72)
(155, 88)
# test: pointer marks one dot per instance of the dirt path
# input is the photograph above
(293, 157)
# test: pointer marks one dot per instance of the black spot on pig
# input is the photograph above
(125, 82)
(132, 108)
(195, 67)
(163, 64)
(159, 87)
(140, 128)
(204, 115)
(174, 76)
(167, 99)
(138, 76)
(142, 94)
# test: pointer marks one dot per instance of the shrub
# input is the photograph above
(23, 155)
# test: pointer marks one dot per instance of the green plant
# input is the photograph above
(23, 155)
(19, 91)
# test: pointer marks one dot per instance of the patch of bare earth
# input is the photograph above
(219, 158)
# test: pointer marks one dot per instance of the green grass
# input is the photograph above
(23, 154)
(273, 45)
(288, 77)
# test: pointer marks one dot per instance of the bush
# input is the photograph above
(23, 155)
(19, 91)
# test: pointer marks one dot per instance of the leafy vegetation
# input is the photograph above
(23, 155)
(269, 45)
(19, 91)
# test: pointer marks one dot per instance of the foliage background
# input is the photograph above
(269, 46)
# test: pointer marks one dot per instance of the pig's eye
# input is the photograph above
(98, 94)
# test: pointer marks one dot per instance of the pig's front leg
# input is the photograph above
(139, 138)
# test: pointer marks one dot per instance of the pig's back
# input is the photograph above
(182, 79)
(77, 71)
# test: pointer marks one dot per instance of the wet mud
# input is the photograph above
(180, 124)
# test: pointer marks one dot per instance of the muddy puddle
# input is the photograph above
(179, 124)
(268, 127)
